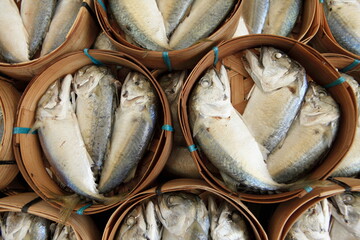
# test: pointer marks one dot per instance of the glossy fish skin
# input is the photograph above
(173, 11)
(309, 137)
(36, 16)
(350, 164)
(282, 17)
(103, 42)
(14, 43)
(254, 13)
(135, 17)
(64, 17)
(134, 125)
(95, 106)
(269, 114)
(222, 135)
(204, 17)
(343, 19)
(39, 229)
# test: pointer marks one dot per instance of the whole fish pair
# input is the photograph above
(91, 136)
(43, 23)
(161, 25)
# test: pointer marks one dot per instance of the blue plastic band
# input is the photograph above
(321, 1)
(308, 189)
(192, 148)
(338, 81)
(95, 61)
(82, 209)
(22, 130)
(351, 66)
(167, 128)
(167, 61)
(216, 55)
(102, 4)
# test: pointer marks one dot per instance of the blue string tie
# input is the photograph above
(167, 61)
(167, 128)
(102, 4)
(308, 189)
(338, 81)
(95, 61)
(216, 55)
(351, 66)
(192, 148)
(23, 130)
(82, 209)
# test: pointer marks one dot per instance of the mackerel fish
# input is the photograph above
(313, 224)
(62, 232)
(338, 231)
(64, 17)
(222, 135)
(103, 42)
(142, 21)
(96, 90)
(36, 16)
(254, 13)
(133, 129)
(343, 19)
(282, 16)
(308, 139)
(275, 100)
(173, 11)
(350, 164)
(204, 17)
(14, 46)
(345, 208)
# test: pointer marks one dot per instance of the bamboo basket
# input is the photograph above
(286, 214)
(195, 186)
(324, 40)
(83, 226)
(29, 154)
(9, 98)
(344, 63)
(317, 68)
(179, 59)
(81, 35)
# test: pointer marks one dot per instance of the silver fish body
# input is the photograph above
(338, 231)
(308, 139)
(14, 46)
(223, 136)
(276, 98)
(254, 13)
(39, 229)
(36, 16)
(134, 225)
(282, 17)
(95, 106)
(204, 17)
(142, 21)
(61, 232)
(134, 125)
(103, 42)
(64, 17)
(15, 225)
(343, 19)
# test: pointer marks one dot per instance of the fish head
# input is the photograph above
(134, 224)
(87, 78)
(354, 86)
(318, 107)
(271, 70)
(172, 84)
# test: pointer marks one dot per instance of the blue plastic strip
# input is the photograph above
(308, 189)
(82, 209)
(351, 66)
(167, 61)
(102, 4)
(216, 55)
(338, 81)
(167, 128)
(192, 148)
(95, 61)
(22, 130)
(321, 1)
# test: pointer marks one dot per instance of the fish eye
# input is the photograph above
(348, 199)
(130, 221)
(205, 82)
(235, 216)
(278, 55)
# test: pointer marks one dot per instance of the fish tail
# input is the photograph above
(114, 199)
(308, 185)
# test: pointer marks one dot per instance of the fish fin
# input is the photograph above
(36, 126)
(250, 92)
(73, 100)
(197, 127)
(131, 174)
(229, 181)
(306, 183)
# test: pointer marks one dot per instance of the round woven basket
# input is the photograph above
(9, 98)
(286, 214)
(195, 186)
(317, 68)
(83, 226)
(29, 154)
(81, 35)
(178, 59)
(344, 64)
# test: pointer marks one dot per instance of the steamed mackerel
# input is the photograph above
(62, 232)
(36, 16)
(103, 42)
(223, 136)
(308, 139)
(275, 100)
(95, 106)
(343, 19)
(14, 46)
(61, 140)
(134, 125)
(64, 17)
(282, 17)
(338, 231)
(204, 17)
(254, 13)
(142, 21)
